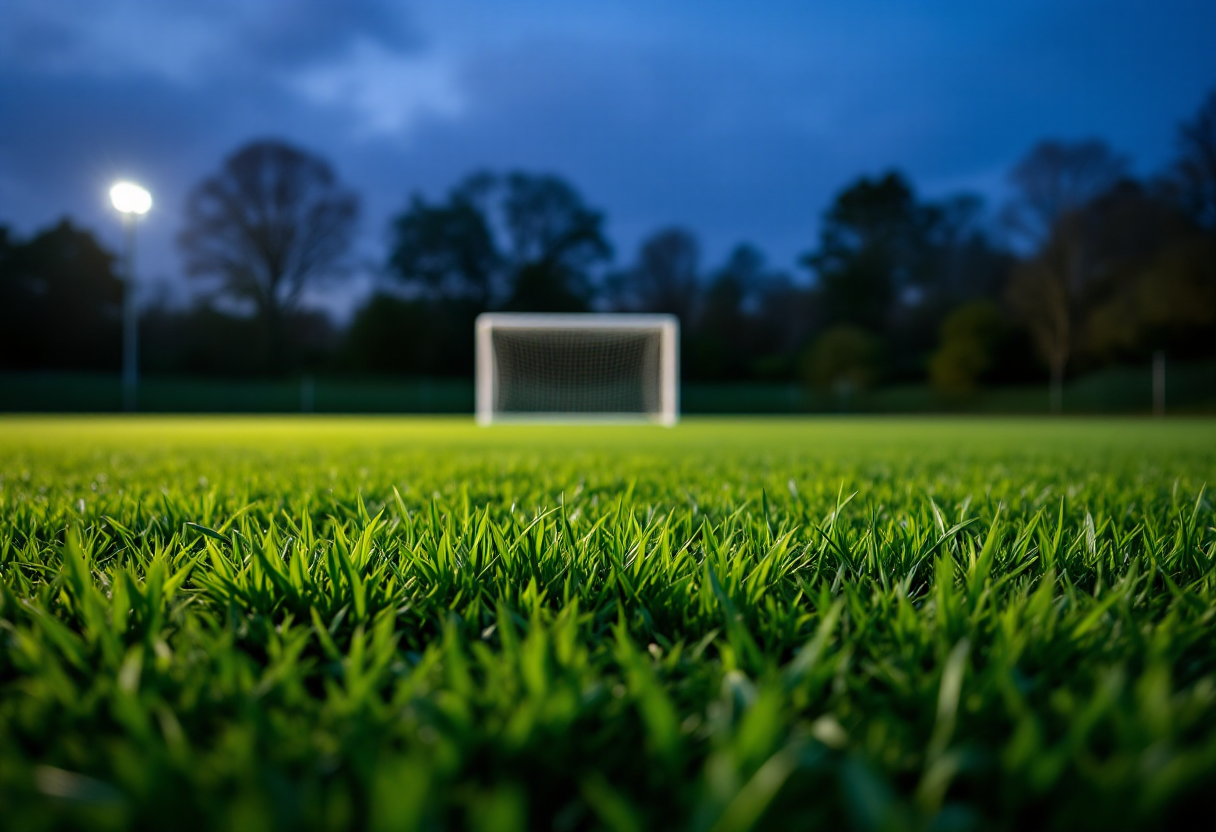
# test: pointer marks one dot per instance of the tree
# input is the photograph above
(1195, 167)
(718, 343)
(554, 240)
(1156, 287)
(894, 265)
(963, 264)
(666, 275)
(750, 321)
(1183, 288)
(60, 302)
(206, 340)
(524, 241)
(1056, 184)
(412, 337)
(731, 331)
(272, 222)
(872, 246)
(969, 340)
(447, 249)
(844, 359)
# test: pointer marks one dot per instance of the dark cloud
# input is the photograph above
(193, 40)
(296, 32)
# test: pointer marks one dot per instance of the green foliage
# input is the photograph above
(845, 359)
(335, 624)
(969, 339)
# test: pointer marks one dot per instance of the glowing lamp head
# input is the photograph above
(129, 198)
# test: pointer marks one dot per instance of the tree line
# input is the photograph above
(1085, 264)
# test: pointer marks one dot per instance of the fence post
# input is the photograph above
(1159, 383)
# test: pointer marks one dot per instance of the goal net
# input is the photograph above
(577, 367)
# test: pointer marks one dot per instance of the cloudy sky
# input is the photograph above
(737, 119)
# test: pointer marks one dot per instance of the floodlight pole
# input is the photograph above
(130, 319)
(132, 202)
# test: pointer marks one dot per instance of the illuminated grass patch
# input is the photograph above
(383, 624)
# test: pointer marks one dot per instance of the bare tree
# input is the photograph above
(1055, 185)
(273, 221)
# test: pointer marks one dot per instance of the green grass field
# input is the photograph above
(257, 624)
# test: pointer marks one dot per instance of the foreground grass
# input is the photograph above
(335, 624)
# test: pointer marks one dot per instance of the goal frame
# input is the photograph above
(668, 327)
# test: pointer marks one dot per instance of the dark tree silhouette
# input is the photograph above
(1154, 281)
(737, 330)
(665, 277)
(412, 337)
(554, 240)
(271, 222)
(872, 245)
(527, 242)
(1056, 186)
(1053, 184)
(1195, 168)
(447, 249)
(60, 302)
(964, 264)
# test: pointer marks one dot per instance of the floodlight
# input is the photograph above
(132, 202)
(129, 198)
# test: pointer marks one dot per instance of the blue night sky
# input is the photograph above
(738, 120)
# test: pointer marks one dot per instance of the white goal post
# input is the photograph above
(577, 367)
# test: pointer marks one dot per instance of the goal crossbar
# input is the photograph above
(581, 332)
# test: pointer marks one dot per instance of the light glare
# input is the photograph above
(129, 198)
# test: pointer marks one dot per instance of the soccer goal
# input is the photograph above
(588, 367)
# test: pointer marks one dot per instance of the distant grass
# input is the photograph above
(387, 624)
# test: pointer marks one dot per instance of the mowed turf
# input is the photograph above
(393, 624)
